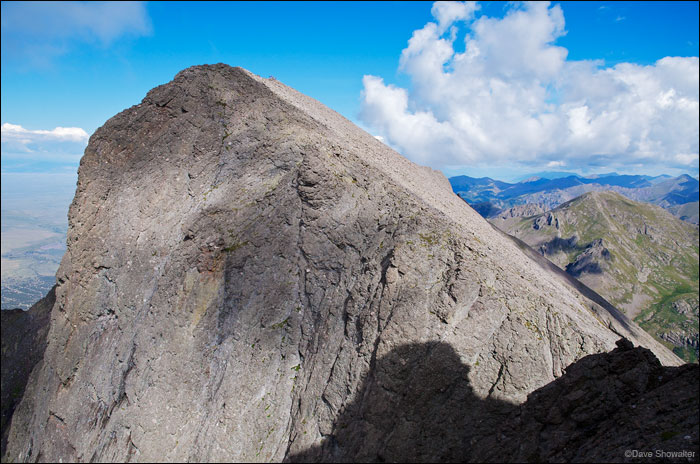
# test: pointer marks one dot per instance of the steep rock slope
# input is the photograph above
(23, 344)
(240, 258)
(638, 256)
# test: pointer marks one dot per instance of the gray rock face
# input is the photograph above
(416, 405)
(23, 345)
(245, 266)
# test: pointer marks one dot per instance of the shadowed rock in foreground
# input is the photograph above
(240, 260)
(604, 405)
(416, 405)
(23, 345)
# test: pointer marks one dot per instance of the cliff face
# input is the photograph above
(244, 265)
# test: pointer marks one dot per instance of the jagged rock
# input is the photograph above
(679, 338)
(23, 345)
(621, 406)
(241, 263)
(504, 219)
(521, 211)
(686, 306)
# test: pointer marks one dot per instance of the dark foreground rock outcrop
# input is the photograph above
(621, 406)
(242, 264)
(23, 345)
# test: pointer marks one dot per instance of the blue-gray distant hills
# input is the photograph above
(679, 195)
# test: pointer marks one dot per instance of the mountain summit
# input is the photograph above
(248, 274)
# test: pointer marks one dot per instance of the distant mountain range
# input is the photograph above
(679, 195)
(638, 256)
(560, 174)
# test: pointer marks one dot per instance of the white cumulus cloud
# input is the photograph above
(447, 13)
(16, 132)
(41, 150)
(511, 96)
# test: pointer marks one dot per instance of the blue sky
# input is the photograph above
(73, 65)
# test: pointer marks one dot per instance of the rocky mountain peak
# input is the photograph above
(243, 263)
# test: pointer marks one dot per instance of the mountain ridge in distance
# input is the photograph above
(679, 195)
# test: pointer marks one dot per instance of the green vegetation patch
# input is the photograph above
(279, 325)
(686, 354)
(235, 246)
(430, 239)
(662, 317)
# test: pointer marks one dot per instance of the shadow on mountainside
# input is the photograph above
(557, 244)
(417, 405)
